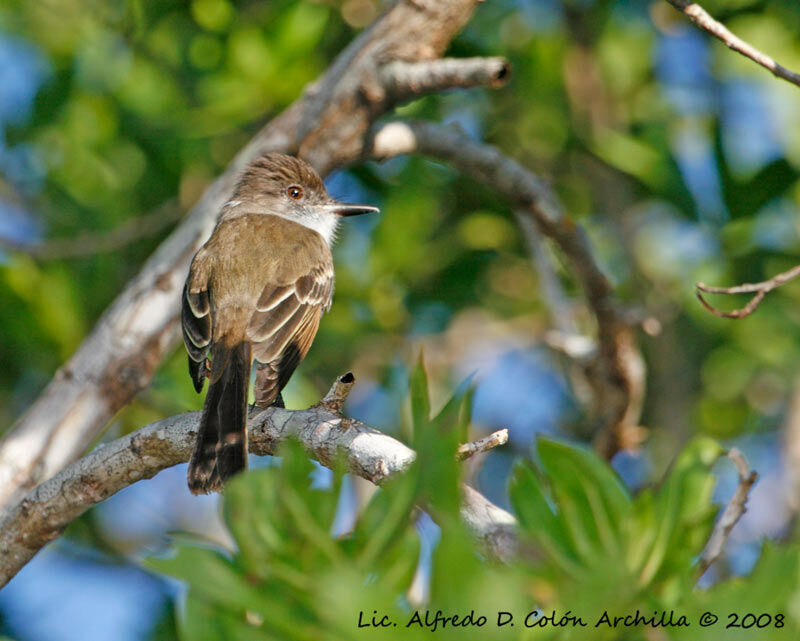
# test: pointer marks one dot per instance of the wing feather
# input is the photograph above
(273, 296)
(273, 373)
(282, 335)
(279, 336)
(265, 324)
(196, 321)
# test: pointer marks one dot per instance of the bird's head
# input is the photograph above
(289, 187)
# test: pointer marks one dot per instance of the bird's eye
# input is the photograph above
(295, 192)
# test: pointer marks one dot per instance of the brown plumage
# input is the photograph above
(255, 293)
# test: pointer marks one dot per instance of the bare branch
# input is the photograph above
(495, 439)
(54, 504)
(404, 80)
(760, 289)
(733, 511)
(327, 127)
(702, 19)
(101, 242)
(617, 371)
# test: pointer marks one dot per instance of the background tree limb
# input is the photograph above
(88, 243)
(616, 372)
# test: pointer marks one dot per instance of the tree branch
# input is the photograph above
(705, 21)
(325, 434)
(760, 289)
(101, 242)
(327, 127)
(733, 511)
(617, 370)
(404, 80)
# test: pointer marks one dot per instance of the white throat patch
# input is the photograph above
(325, 224)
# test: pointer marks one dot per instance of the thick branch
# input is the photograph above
(702, 19)
(759, 289)
(617, 371)
(733, 511)
(327, 126)
(324, 433)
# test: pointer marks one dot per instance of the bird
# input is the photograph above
(254, 295)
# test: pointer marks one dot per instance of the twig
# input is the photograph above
(91, 243)
(337, 395)
(705, 21)
(468, 450)
(54, 504)
(327, 127)
(760, 289)
(617, 372)
(733, 511)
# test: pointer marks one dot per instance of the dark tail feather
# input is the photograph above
(197, 370)
(221, 448)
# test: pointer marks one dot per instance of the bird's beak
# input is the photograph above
(350, 209)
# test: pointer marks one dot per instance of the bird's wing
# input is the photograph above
(196, 319)
(284, 325)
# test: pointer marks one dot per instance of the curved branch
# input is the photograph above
(616, 372)
(326, 126)
(705, 21)
(759, 289)
(325, 434)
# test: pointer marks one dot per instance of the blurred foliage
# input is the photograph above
(593, 549)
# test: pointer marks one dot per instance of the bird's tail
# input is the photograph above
(221, 447)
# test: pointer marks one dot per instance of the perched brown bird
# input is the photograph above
(255, 292)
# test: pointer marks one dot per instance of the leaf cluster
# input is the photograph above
(587, 546)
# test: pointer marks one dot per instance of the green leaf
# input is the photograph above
(420, 401)
(212, 577)
(536, 517)
(770, 593)
(591, 498)
(248, 497)
(201, 621)
(301, 517)
(458, 410)
(385, 519)
(435, 442)
(682, 510)
(206, 621)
